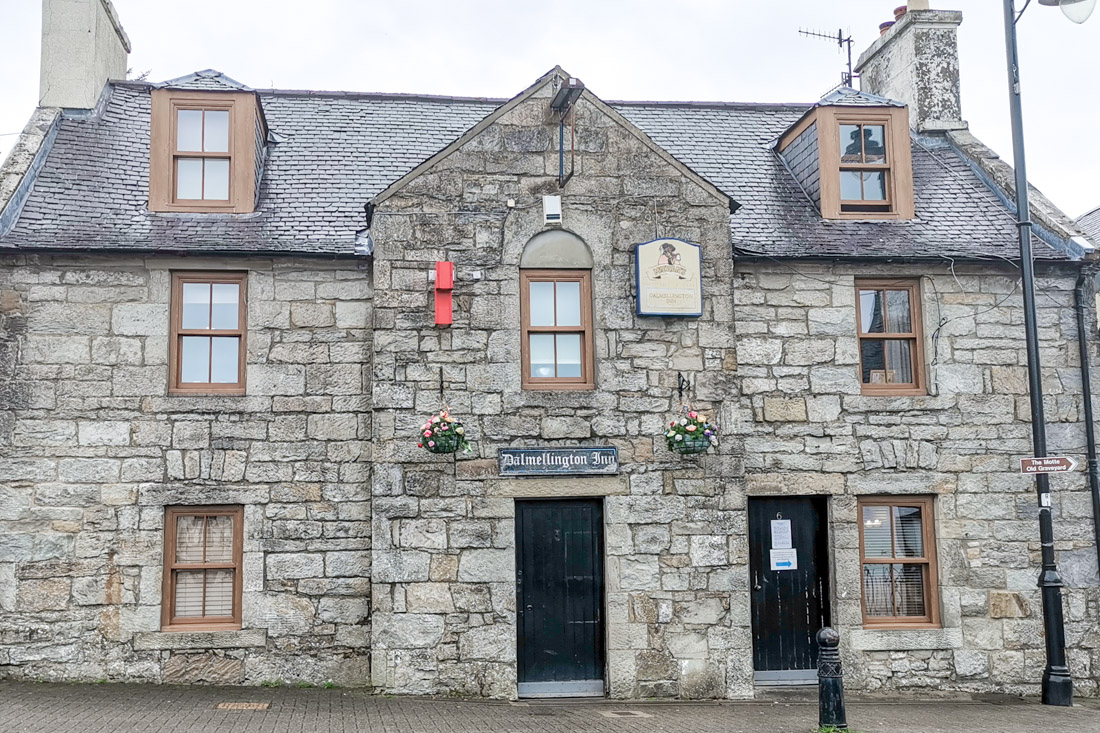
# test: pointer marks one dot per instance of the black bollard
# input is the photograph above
(830, 681)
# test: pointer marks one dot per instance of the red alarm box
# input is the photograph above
(444, 286)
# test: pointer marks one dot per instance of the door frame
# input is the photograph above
(567, 689)
(828, 599)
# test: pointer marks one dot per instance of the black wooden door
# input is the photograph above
(789, 606)
(559, 589)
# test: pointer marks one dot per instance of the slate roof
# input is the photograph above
(1090, 225)
(338, 150)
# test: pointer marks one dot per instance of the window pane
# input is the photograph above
(874, 186)
(189, 585)
(909, 590)
(569, 304)
(542, 354)
(898, 312)
(899, 361)
(569, 355)
(216, 179)
(908, 535)
(874, 144)
(870, 311)
(216, 138)
(219, 592)
(873, 361)
(850, 186)
(876, 532)
(219, 539)
(542, 304)
(189, 539)
(196, 306)
(195, 359)
(225, 300)
(223, 359)
(877, 590)
(851, 145)
(188, 178)
(189, 130)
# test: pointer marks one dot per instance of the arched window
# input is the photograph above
(556, 312)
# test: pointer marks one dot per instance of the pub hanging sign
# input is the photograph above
(668, 278)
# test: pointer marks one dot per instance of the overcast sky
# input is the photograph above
(725, 50)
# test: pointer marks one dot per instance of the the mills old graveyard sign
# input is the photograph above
(599, 460)
(669, 281)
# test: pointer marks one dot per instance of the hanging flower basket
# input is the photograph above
(443, 434)
(691, 434)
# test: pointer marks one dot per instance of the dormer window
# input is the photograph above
(853, 161)
(203, 148)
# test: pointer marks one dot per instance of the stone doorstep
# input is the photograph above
(199, 640)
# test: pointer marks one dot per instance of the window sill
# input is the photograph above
(902, 639)
(199, 640)
(206, 391)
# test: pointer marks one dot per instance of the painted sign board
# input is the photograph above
(784, 559)
(781, 534)
(668, 274)
(601, 460)
(1049, 464)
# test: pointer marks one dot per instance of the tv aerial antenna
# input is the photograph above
(841, 40)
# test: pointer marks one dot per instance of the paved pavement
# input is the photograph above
(108, 708)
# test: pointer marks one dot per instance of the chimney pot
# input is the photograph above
(83, 46)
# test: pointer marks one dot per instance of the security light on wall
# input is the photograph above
(1076, 10)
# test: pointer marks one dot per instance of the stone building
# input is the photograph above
(226, 315)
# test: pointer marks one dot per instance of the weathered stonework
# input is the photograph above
(960, 443)
(440, 521)
(93, 449)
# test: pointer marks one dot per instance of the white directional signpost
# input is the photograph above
(1049, 464)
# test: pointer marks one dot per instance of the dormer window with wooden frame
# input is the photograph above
(203, 148)
(863, 167)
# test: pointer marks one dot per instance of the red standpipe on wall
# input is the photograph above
(444, 285)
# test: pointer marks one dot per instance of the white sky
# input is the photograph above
(725, 50)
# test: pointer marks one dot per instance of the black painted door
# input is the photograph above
(789, 605)
(559, 588)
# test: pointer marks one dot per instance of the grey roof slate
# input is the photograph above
(339, 150)
(1090, 225)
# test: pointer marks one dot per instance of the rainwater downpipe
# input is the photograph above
(1086, 395)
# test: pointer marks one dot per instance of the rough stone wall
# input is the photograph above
(92, 449)
(444, 546)
(805, 428)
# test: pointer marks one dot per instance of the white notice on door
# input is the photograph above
(781, 534)
(784, 559)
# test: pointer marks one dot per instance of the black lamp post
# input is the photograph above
(1057, 682)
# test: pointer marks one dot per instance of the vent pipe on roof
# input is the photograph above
(83, 46)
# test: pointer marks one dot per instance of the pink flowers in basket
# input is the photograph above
(443, 434)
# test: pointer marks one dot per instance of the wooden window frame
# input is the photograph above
(920, 385)
(930, 620)
(169, 622)
(898, 166)
(587, 380)
(242, 108)
(177, 332)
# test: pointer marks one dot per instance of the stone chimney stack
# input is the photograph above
(83, 45)
(917, 62)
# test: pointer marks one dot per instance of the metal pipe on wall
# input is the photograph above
(1086, 396)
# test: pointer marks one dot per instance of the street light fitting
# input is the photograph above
(1076, 10)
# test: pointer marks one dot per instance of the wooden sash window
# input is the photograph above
(207, 346)
(203, 148)
(202, 568)
(556, 313)
(890, 337)
(897, 545)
